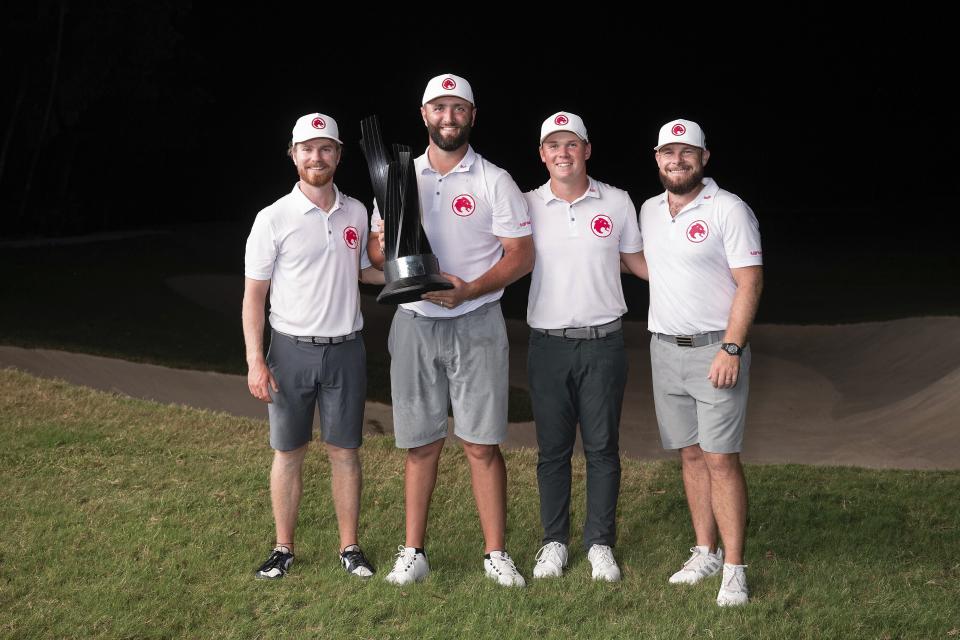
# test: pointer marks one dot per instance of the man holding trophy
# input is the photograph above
(451, 345)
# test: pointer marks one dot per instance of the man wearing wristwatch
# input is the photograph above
(702, 248)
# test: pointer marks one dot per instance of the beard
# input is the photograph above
(315, 179)
(449, 144)
(682, 186)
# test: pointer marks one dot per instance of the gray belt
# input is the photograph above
(584, 333)
(699, 340)
(321, 340)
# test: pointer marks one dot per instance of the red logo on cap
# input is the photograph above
(351, 237)
(318, 123)
(448, 84)
(697, 231)
(561, 120)
(464, 204)
(679, 130)
(601, 226)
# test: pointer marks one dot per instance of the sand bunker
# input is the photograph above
(878, 394)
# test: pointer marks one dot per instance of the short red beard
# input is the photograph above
(685, 186)
(315, 179)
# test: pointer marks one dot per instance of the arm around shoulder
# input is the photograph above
(635, 263)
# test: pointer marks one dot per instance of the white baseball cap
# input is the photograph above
(448, 84)
(564, 121)
(315, 125)
(682, 131)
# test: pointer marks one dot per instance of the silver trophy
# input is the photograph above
(410, 269)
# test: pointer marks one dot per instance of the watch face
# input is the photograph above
(731, 348)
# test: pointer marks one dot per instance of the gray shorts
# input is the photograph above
(436, 362)
(689, 409)
(331, 376)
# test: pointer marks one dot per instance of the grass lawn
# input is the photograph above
(129, 519)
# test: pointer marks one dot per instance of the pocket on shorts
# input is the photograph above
(393, 326)
(270, 351)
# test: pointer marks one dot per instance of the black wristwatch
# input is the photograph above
(732, 348)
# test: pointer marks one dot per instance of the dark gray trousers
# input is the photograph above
(575, 381)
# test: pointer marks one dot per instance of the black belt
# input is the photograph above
(321, 340)
(583, 333)
(698, 340)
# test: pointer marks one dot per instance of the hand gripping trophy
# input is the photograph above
(410, 269)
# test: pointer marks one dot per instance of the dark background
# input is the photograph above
(836, 128)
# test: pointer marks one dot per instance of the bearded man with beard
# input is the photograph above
(702, 248)
(450, 348)
(308, 249)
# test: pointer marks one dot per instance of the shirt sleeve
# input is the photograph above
(511, 218)
(741, 237)
(630, 240)
(261, 252)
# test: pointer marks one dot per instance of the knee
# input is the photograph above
(427, 454)
(481, 453)
(723, 465)
(601, 446)
(292, 458)
(340, 457)
(692, 456)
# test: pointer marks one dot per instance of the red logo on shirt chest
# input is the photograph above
(463, 205)
(697, 231)
(351, 237)
(601, 226)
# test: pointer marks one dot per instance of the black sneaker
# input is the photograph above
(276, 565)
(355, 562)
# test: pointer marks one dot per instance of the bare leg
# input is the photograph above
(420, 478)
(489, 475)
(346, 480)
(696, 483)
(286, 488)
(728, 494)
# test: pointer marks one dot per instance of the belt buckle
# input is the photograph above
(684, 341)
(314, 340)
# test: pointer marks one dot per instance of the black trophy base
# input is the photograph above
(410, 277)
(410, 289)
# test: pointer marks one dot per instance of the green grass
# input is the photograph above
(129, 519)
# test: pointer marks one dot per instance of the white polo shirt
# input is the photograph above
(465, 212)
(690, 257)
(313, 259)
(576, 276)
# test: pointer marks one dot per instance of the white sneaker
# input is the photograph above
(603, 563)
(702, 564)
(411, 566)
(733, 587)
(551, 560)
(499, 566)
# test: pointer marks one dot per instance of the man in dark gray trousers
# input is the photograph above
(582, 230)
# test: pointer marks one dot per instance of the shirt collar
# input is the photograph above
(466, 163)
(710, 189)
(548, 196)
(303, 205)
